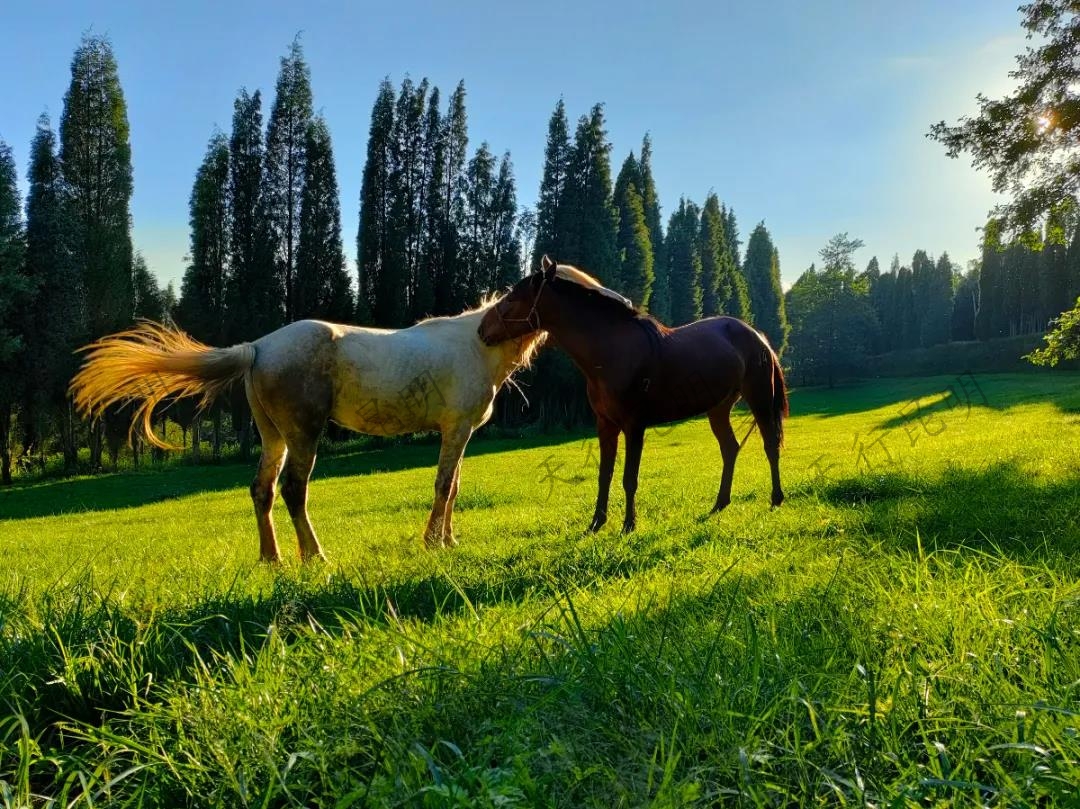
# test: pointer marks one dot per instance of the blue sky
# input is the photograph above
(810, 117)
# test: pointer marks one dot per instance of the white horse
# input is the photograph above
(436, 375)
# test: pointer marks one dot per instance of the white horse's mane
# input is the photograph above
(575, 276)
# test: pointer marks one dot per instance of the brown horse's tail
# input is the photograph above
(780, 408)
(149, 363)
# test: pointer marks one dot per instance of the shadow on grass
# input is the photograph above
(1000, 509)
(964, 391)
(108, 492)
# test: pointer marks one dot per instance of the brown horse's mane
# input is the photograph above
(590, 290)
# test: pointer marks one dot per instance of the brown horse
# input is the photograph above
(641, 373)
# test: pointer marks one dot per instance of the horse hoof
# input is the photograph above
(449, 542)
(628, 528)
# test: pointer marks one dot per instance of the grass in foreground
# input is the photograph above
(904, 631)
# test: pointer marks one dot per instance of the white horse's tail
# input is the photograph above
(149, 363)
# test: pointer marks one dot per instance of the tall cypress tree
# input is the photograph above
(202, 309)
(408, 189)
(431, 230)
(684, 263)
(762, 270)
(506, 258)
(14, 292)
(56, 322)
(716, 284)
(592, 222)
(989, 321)
(378, 299)
(322, 282)
(286, 135)
(151, 301)
(633, 242)
(550, 210)
(255, 297)
(659, 299)
(476, 237)
(738, 303)
(96, 155)
(448, 287)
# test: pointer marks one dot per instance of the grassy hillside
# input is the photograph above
(904, 631)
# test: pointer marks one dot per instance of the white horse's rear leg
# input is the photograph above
(271, 460)
(294, 490)
(439, 527)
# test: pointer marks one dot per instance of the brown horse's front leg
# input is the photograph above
(635, 441)
(608, 434)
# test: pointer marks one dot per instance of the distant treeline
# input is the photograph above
(840, 317)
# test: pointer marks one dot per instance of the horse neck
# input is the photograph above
(591, 333)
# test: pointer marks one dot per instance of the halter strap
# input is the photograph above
(532, 312)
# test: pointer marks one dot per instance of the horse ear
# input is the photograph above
(547, 267)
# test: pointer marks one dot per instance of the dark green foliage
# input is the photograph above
(723, 289)
(965, 306)
(96, 156)
(684, 263)
(55, 323)
(1027, 140)
(286, 134)
(255, 297)
(591, 222)
(379, 299)
(151, 301)
(660, 299)
(551, 225)
(762, 271)
(737, 303)
(433, 210)
(15, 292)
(490, 255)
(833, 323)
(322, 282)
(932, 287)
(448, 291)
(633, 242)
(409, 187)
(1062, 341)
(202, 309)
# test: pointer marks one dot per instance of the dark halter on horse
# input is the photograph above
(532, 312)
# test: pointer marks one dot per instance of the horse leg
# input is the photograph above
(635, 441)
(454, 440)
(448, 524)
(761, 407)
(294, 490)
(271, 460)
(608, 433)
(720, 421)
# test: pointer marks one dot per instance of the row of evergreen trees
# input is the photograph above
(614, 232)
(840, 316)
(265, 219)
(68, 271)
(438, 229)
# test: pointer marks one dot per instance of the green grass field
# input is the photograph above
(904, 631)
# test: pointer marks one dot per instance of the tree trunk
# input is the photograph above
(5, 446)
(97, 441)
(71, 447)
(217, 433)
(196, 438)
